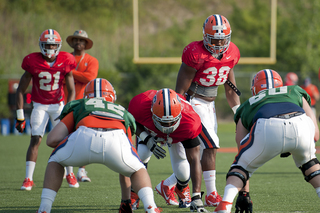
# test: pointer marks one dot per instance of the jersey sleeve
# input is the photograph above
(235, 52)
(71, 62)
(88, 72)
(69, 107)
(26, 63)
(190, 56)
(302, 92)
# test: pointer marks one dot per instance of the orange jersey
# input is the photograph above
(313, 91)
(95, 122)
(86, 70)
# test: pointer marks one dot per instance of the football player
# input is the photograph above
(274, 120)
(95, 130)
(206, 65)
(47, 70)
(291, 79)
(164, 117)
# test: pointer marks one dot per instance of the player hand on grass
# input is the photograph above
(244, 203)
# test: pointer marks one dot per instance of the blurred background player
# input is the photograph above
(267, 125)
(95, 130)
(206, 64)
(312, 91)
(165, 118)
(85, 71)
(291, 79)
(47, 69)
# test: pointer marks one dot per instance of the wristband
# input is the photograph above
(20, 114)
(234, 109)
(143, 135)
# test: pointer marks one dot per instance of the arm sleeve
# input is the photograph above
(90, 73)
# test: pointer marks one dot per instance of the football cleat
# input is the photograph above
(224, 207)
(27, 184)
(72, 181)
(41, 212)
(150, 209)
(197, 205)
(134, 200)
(125, 207)
(167, 194)
(184, 197)
(213, 199)
(82, 176)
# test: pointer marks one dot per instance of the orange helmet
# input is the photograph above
(100, 88)
(50, 36)
(166, 110)
(216, 28)
(291, 79)
(265, 79)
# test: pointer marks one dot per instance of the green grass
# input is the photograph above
(278, 186)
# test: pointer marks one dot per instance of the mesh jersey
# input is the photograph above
(190, 124)
(105, 114)
(47, 81)
(271, 102)
(210, 71)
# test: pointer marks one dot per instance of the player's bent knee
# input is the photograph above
(239, 175)
(307, 166)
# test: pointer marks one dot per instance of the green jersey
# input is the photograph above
(271, 102)
(101, 108)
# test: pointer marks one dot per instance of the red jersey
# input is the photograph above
(313, 91)
(47, 81)
(210, 71)
(190, 124)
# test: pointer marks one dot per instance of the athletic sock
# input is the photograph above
(210, 181)
(30, 166)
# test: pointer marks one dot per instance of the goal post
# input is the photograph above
(177, 60)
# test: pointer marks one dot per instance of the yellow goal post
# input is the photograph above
(177, 60)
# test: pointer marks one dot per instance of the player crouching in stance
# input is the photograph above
(165, 117)
(95, 130)
(277, 119)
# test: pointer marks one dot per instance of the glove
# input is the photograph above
(244, 203)
(20, 125)
(153, 147)
(285, 155)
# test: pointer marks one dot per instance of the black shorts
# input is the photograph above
(191, 143)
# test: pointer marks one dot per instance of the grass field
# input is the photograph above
(278, 186)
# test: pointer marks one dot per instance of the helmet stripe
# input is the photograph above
(166, 102)
(50, 31)
(269, 78)
(218, 23)
(97, 87)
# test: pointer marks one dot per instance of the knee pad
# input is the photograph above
(307, 166)
(239, 175)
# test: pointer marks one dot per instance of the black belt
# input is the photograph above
(287, 116)
(101, 129)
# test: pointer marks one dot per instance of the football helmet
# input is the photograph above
(50, 36)
(100, 88)
(291, 79)
(265, 79)
(166, 110)
(216, 34)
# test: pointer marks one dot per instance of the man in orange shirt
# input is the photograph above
(85, 71)
(313, 91)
